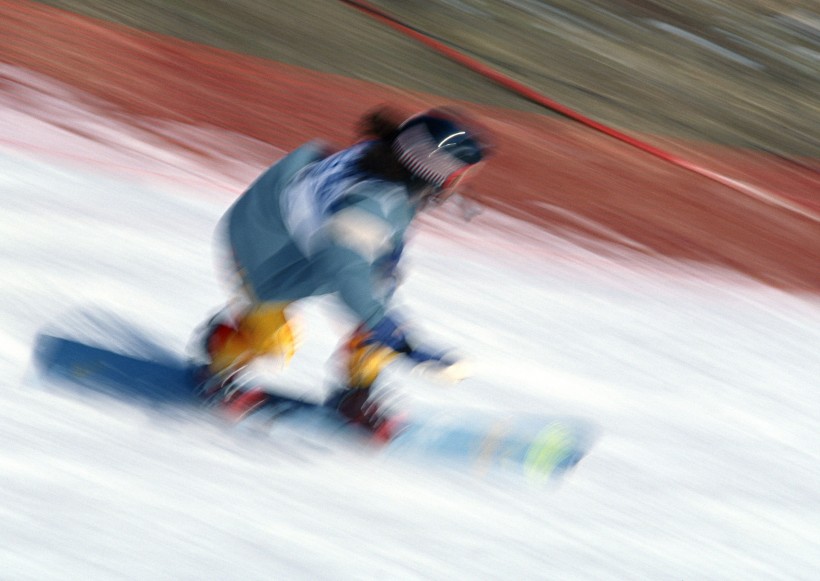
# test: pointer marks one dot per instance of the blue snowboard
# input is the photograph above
(541, 447)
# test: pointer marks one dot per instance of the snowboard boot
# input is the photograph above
(359, 407)
(355, 402)
(228, 345)
(239, 403)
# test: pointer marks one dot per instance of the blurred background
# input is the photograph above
(741, 73)
(730, 87)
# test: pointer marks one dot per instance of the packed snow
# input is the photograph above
(703, 384)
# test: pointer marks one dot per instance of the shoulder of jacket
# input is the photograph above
(312, 150)
(379, 197)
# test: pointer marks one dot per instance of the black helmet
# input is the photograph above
(438, 145)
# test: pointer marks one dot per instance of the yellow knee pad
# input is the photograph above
(366, 362)
(268, 331)
(263, 330)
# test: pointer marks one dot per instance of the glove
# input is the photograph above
(387, 332)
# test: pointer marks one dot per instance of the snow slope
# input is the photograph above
(703, 383)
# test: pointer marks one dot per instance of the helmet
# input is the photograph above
(439, 145)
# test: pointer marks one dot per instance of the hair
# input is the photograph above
(382, 125)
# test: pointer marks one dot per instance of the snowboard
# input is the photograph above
(538, 447)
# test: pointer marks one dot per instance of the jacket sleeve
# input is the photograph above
(361, 236)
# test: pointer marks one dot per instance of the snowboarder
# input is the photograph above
(317, 223)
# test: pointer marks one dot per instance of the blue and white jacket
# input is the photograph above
(312, 225)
